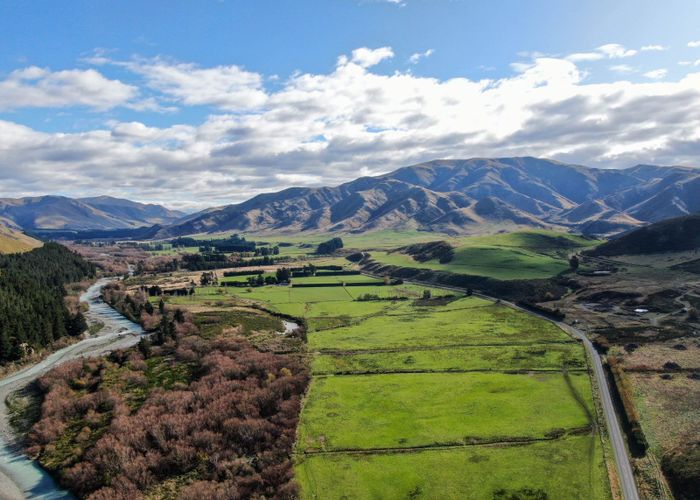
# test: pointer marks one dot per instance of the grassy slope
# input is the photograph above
(12, 241)
(387, 238)
(671, 235)
(520, 255)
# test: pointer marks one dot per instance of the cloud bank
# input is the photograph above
(327, 128)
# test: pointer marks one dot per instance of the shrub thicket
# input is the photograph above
(113, 428)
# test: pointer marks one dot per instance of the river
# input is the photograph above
(289, 327)
(21, 477)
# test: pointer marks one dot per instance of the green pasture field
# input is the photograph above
(571, 468)
(498, 263)
(332, 306)
(406, 290)
(202, 293)
(393, 379)
(536, 357)
(407, 394)
(491, 324)
(541, 240)
(350, 278)
(520, 255)
(318, 261)
(288, 294)
(241, 279)
(322, 315)
(321, 305)
(427, 409)
(387, 238)
(276, 295)
(213, 324)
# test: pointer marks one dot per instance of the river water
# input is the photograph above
(289, 327)
(21, 477)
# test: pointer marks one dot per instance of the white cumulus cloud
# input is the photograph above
(367, 57)
(653, 48)
(324, 128)
(226, 87)
(35, 87)
(607, 51)
(615, 51)
(416, 57)
(656, 74)
(622, 68)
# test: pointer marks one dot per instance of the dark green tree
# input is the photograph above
(574, 262)
(283, 274)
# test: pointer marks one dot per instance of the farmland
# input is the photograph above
(406, 376)
(473, 324)
(386, 411)
(403, 384)
(448, 359)
(522, 255)
(375, 240)
(558, 469)
(529, 254)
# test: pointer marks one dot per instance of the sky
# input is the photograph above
(203, 103)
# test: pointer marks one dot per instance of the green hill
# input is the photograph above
(673, 235)
(519, 255)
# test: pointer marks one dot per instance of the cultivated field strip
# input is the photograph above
(427, 409)
(504, 358)
(560, 468)
(408, 390)
(418, 381)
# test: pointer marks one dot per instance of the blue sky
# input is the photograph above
(208, 102)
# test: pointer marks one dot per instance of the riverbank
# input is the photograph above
(21, 477)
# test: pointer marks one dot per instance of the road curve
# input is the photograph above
(21, 477)
(622, 460)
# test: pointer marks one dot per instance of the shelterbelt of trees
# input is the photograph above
(33, 312)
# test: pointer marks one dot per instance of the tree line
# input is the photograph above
(33, 312)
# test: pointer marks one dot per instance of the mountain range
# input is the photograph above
(101, 212)
(451, 196)
(464, 196)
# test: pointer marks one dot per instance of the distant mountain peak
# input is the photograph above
(99, 212)
(463, 196)
(450, 195)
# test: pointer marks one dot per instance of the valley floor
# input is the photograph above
(416, 392)
(439, 398)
